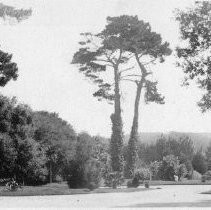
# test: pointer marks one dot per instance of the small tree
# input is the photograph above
(181, 171)
(57, 138)
(93, 173)
(75, 175)
(199, 162)
(154, 169)
(84, 170)
(169, 167)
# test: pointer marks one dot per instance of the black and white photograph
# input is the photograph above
(105, 104)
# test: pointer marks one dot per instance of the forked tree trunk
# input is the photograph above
(116, 143)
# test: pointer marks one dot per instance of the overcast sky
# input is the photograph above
(43, 47)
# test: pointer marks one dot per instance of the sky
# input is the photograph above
(43, 47)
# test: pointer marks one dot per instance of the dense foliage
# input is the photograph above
(194, 54)
(86, 167)
(21, 156)
(57, 138)
(199, 163)
(40, 147)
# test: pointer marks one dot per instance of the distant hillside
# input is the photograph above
(199, 139)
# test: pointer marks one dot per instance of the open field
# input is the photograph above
(166, 196)
(62, 189)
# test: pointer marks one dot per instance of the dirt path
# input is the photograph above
(168, 196)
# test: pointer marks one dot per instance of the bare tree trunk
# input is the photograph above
(116, 143)
(132, 143)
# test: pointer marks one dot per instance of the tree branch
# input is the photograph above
(120, 55)
(106, 61)
(109, 59)
(127, 69)
(149, 62)
(130, 80)
(142, 67)
(132, 75)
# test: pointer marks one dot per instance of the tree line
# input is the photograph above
(38, 147)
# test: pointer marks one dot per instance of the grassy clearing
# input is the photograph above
(62, 189)
(184, 182)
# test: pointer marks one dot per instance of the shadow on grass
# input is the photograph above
(62, 189)
(204, 203)
(207, 192)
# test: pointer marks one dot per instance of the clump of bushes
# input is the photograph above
(140, 176)
(86, 175)
(113, 179)
(181, 171)
(206, 176)
(154, 169)
(12, 185)
(168, 168)
(75, 177)
(92, 174)
(196, 175)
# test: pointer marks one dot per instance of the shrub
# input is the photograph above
(203, 178)
(196, 175)
(146, 184)
(114, 179)
(129, 184)
(154, 169)
(208, 173)
(84, 175)
(181, 171)
(92, 174)
(199, 163)
(169, 167)
(139, 177)
(12, 185)
(91, 186)
(75, 178)
(142, 174)
(111, 178)
(206, 176)
(58, 179)
(189, 168)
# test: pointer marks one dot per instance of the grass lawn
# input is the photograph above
(184, 182)
(61, 189)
